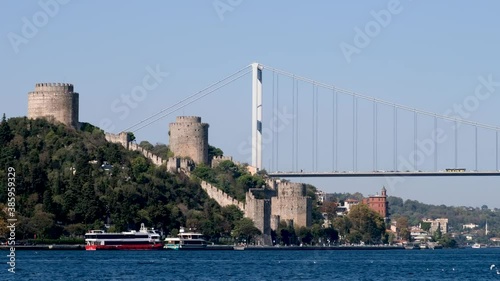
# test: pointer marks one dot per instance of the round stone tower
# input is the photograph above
(189, 138)
(55, 102)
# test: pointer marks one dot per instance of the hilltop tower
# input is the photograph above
(55, 102)
(189, 138)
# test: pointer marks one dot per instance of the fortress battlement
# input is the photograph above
(291, 189)
(188, 119)
(54, 87)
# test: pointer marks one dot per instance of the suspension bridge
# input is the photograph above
(359, 135)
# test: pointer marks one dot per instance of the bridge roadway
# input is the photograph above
(382, 174)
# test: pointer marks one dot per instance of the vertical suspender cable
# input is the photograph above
(355, 133)
(297, 128)
(435, 144)
(273, 167)
(475, 129)
(333, 129)
(317, 126)
(496, 146)
(277, 120)
(336, 130)
(374, 136)
(456, 144)
(415, 141)
(313, 129)
(293, 125)
(395, 138)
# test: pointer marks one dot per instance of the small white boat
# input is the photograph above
(239, 248)
(478, 246)
(186, 241)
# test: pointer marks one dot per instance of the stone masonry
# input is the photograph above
(189, 138)
(221, 197)
(173, 164)
(55, 102)
(291, 203)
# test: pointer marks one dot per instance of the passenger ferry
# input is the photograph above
(144, 239)
(186, 241)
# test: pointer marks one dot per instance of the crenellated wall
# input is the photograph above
(216, 160)
(121, 138)
(173, 164)
(221, 197)
(55, 102)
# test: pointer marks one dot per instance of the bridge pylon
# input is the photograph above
(257, 115)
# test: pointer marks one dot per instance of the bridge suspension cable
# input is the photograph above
(189, 100)
(380, 101)
(293, 125)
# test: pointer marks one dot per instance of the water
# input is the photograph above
(467, 264)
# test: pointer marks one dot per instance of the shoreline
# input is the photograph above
(219, 248)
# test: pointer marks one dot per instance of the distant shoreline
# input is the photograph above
(222, 248)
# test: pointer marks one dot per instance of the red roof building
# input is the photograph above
(378, 203)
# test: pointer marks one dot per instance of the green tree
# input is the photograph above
(245, 229)
(367, 225)
(437, 234)
(342, 225)
(403, 230)
(425, 226)
(214, 151)
(130, 136)
(331, 235)
(304, 234)
(317, 233)
(6, 134)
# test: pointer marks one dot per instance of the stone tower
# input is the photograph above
(292, 204)
(55, 102)
(189, 138)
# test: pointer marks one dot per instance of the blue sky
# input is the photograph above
(421, 54)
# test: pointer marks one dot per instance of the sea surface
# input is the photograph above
(463, 264)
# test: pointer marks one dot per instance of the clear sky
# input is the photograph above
(423, 54)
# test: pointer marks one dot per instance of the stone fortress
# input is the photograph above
(56, 102)
(188, 140)
(188, 137)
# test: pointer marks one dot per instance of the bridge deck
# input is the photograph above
(381, 174)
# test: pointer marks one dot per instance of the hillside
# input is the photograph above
(415, 211)
(70, 181)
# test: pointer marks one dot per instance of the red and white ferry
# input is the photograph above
(144, 239)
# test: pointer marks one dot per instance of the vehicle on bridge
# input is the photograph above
(455, 170)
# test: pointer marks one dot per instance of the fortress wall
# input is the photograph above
(216, 160)
(298, 209)
(291, 189)
(221, 197)
(259, 211)
(292, 204)
(121, 138)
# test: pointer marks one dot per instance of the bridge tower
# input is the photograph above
(257, 116)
